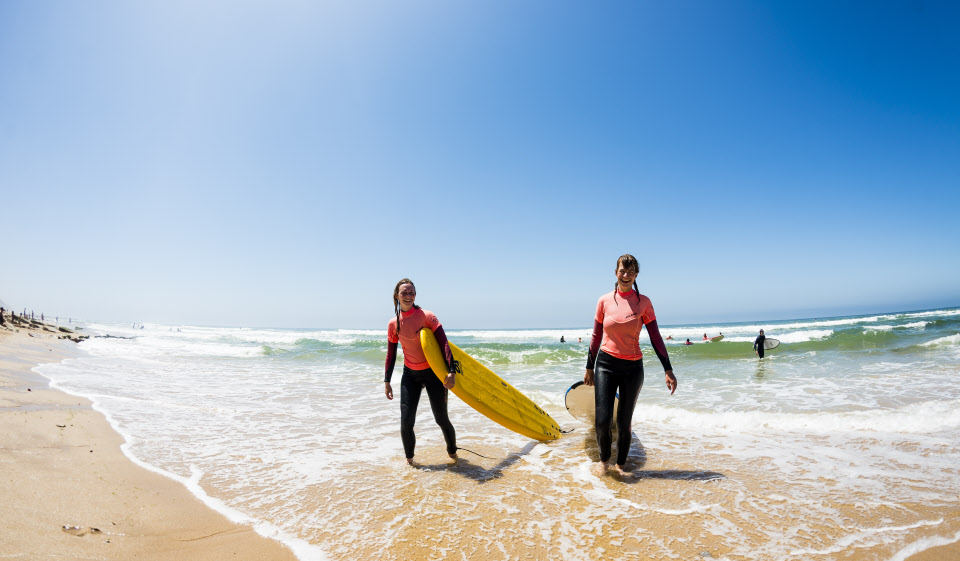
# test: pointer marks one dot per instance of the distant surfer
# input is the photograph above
(417, 375)
(705, 337)
(562, 340)
(615, 353)
(758, 344)
(689, 342)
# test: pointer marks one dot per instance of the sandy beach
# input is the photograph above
(70, 493)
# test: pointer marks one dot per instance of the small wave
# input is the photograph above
(914, 325)
(927, 417)
(787, 338)
(549, 334)
(502, 354)
(947, 341)
(934, 313)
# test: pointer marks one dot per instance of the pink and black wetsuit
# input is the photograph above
(616, 359)
(417, 375)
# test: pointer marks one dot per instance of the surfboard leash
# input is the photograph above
(475, 454)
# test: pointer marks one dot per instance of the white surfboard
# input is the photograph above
(769, 343)
(581, 403)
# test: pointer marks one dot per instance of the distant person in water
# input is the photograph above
(704, 336)
(688, 342)
(758, 344)
(562, 340)
(417, 375)
(615, 355)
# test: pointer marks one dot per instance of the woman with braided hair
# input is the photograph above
(417, 375)
(614, 361)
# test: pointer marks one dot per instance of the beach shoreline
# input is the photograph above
(69, 490)
(76, 490)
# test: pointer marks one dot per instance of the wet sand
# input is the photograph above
(69, 492)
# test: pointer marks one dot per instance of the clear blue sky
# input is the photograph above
(285, 163)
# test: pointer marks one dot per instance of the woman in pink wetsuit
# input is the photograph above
(614, 362)
(417, 375)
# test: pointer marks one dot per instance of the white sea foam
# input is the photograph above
(950, 340)
(934, 313)
(884, 327)
(924, 544)
(927, 417)
(865, 535)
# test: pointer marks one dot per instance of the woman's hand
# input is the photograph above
(450, 381)
(388, 390)
(671, 381)
(588, 377)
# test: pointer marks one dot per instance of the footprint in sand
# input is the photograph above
(80, 532)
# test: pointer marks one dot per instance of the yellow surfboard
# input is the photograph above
(490, 394)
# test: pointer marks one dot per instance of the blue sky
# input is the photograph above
(285, 163)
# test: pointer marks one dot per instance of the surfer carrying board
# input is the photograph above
(614, 363)
(417, 375)
(758, 344)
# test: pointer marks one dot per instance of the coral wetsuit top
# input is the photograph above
(622, 320)
(410, 324)
(619, 321)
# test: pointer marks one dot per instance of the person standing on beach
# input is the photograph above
(614, 361)
(758, 344)
(417, 375)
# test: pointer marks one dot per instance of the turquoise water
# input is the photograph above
(844, 440)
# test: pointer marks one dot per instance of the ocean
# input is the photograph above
(843, 443)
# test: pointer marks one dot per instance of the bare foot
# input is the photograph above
(454, 457)
(621, 472)
(600, 469)
(409, 461)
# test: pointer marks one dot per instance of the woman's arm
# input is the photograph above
(445, 347)
(388, 368)
(659, 346)
(661, 349)
(594, 350)
(447, 357)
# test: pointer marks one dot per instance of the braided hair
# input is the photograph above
(627, 261)
(396, 300)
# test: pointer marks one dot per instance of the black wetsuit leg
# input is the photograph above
(409, 400)
(438, 403)
(411, 385)
(613, 374)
